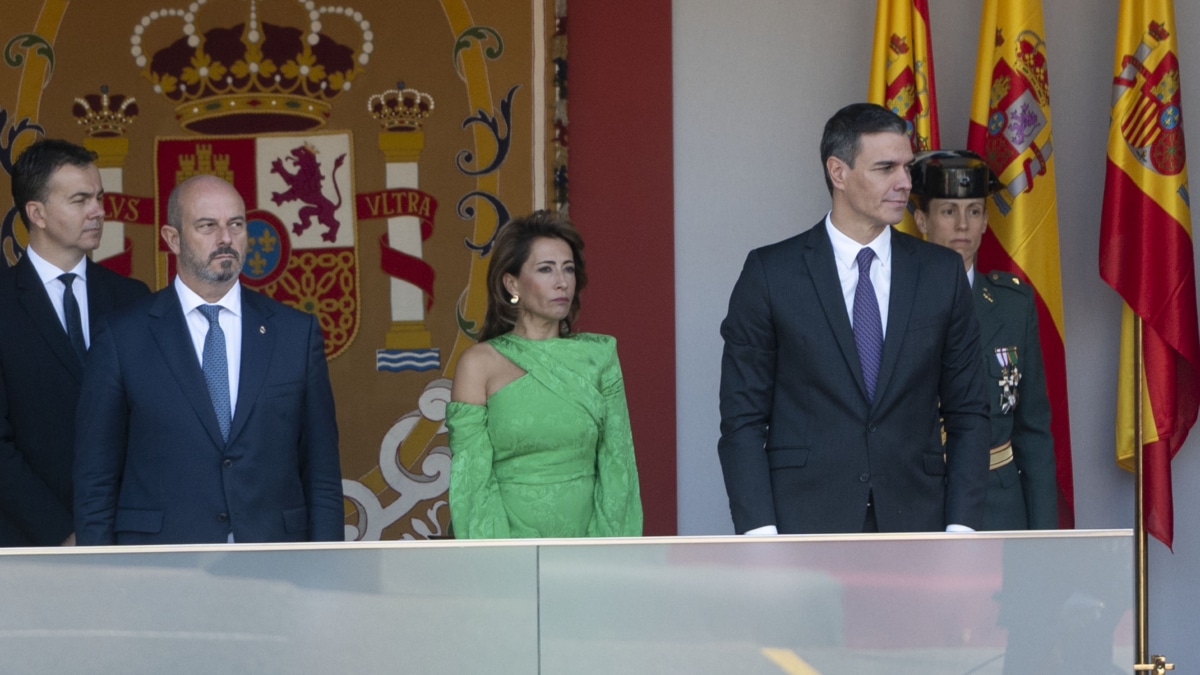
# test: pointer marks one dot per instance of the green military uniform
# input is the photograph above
(1022, 489)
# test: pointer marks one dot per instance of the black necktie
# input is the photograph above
(74, 320)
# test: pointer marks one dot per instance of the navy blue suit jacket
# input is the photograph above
(39, 387)
(151, 466)
(801, 445)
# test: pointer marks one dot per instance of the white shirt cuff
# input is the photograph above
(765, 530)
(952, 527)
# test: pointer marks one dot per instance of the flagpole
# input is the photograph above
(1156, 664)
(1141, 572)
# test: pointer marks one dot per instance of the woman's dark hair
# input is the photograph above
(511, 249)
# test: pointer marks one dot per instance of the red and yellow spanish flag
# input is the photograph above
(1010, 129)
(902, 74)
(1146, 250)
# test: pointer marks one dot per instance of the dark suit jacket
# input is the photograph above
(151, 467)
(39, 387)
(801, 446)
(1024, 493)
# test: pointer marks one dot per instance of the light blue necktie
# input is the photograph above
(216, 367)
(868, 327)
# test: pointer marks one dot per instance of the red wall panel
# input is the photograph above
(622, 199)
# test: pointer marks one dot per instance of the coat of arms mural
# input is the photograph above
(378, 148)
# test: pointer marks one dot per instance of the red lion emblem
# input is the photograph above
(305, 186)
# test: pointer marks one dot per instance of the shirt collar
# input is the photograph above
(46, 270)
(845, 249)
(190, 300)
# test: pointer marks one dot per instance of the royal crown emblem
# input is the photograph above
(105, 116)
(254, 76)
(400, 109)
(1031, 62)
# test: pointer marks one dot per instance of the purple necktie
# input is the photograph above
(868, 328)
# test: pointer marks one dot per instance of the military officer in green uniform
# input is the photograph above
(950, 190)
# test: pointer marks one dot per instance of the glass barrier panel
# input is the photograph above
(983, 604)
(343, 608)
(986, 604)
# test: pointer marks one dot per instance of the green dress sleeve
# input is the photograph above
(618, 501)
(476, 508)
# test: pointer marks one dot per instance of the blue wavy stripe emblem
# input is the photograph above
(396, 360)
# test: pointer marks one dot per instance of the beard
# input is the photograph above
(201, 269)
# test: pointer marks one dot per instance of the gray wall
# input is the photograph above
(753, 84)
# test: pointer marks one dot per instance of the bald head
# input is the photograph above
(206, 229)
(182, 190)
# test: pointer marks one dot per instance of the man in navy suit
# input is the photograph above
(50, 301)
(210, 415)
(842, 345)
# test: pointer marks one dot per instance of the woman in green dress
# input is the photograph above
(539, 428)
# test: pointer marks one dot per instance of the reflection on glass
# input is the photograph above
(977, 604)
(982, 604)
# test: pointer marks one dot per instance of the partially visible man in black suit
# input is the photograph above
(49, 301)
(842, 344)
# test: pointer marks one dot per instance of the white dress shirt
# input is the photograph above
(231, 322)
(49, 274)
(845, 255)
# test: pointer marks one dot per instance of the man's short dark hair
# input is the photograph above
(847, 125)
(32, 171)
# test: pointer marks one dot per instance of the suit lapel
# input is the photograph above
(36, 301)
(905, 273)
(170, 331)
(101, 300)
(824, 274)
(258, 342)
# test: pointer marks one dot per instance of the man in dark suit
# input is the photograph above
(46, 319)
(212, 417)
(841, 346)
(951, 188)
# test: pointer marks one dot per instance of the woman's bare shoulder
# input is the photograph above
(480, 355)
(477, 365)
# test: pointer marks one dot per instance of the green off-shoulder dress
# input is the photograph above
(551, 453)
